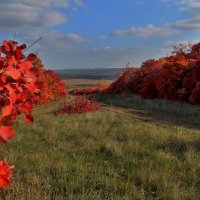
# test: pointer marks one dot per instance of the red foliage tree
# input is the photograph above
(175, 77)
(51, 86)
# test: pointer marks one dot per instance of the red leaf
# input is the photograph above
(25, 65)
(5, 174)
(28, 119)
(6, 133)
(32, 88)
(27, 107)
(22, 47)
(13, 72)
(13, 98)
(7, 120)
(18, 54)
(31, 57)
(7, 110)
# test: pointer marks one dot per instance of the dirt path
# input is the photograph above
(161, 118)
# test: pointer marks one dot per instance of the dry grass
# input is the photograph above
(79, 83)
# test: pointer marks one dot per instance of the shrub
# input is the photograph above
(51, 86)
(77, 105)
(175, 77)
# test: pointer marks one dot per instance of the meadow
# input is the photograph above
(78, 82)
(130, 149)
(103, 155)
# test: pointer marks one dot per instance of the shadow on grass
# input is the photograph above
(158, 111)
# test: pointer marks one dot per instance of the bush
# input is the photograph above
(77, 105)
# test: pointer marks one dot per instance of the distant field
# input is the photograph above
(82, 83)
(77, 83)
(94, 74)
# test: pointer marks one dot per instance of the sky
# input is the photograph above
(100, 33)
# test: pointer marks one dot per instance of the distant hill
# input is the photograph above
(96, 73)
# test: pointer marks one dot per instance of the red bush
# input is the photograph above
(175, 77)
(51, 86)
(77, 105)
(90, 90)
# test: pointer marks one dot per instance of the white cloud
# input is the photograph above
(77, 38)
(148, 31)
(107, 47)
(172, 28)
(193, 9)
(190, 24)
(22, 15)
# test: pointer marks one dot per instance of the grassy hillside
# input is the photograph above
(102, 155)
(169, 112)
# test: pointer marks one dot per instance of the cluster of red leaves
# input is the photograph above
(23, 82)
(5, 174)
(51, 86)
(176, 77)
(18, 82)
(77, 105)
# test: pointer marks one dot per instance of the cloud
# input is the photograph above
(107, 47)
(189, 24)
(172, 28)
(193, 9)
(77, 38)
(148, 31)
(20, 15)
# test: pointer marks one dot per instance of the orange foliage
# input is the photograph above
(51, 86)
(176, 77)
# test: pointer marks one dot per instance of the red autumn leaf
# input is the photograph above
(31, 57)
(26, 107)
(5, 174)
(25, 65)
(6, 133)
(13, 98)
(7, 110)
(28, 119)
(18, 54)
(30, 87)
(22, 47)
(3, 78)
(7, 120)
(13, 72)
(12, 61)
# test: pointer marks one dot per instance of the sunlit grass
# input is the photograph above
(102, 155)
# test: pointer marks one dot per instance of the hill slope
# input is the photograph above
(103, 155)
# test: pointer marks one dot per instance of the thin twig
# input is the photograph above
(33, 44)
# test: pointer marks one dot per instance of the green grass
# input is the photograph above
(173, 110)
(102, 155)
